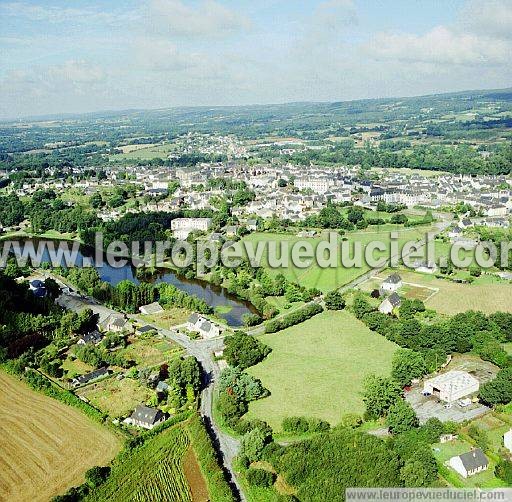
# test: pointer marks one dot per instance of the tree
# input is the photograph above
(252, 444)
(260, 477)
(401, 417)
(360, 306)
(334, 300)
(95, 476)
(503, 471)
(243, 350)
(498, 390)
(406, 366)
(379, 395)
(230, 407)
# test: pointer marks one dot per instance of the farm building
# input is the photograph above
(89, 377)
(389, 304)
(142, 330)
(470, 463)
(146, 417)
(507, 440)
(152, 308)
(392, 283)
(451, 386)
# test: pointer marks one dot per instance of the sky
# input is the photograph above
(82, 56)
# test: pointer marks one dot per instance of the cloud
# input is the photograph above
(76, 72)
(207, 19)
(336, 14)
(59, 15)
(492, 18)
(441, 46)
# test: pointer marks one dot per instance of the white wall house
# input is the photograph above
(451, 386)
(507, 440)
(470, 463)
(392, 283)
(182, 227)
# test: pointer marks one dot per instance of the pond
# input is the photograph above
(230, 308)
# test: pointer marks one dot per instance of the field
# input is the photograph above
(327, 279)
(154, 471)
(46, 446)
(143, 152)
(487, 294)
(116, 397)
(151, 350)
(317, 368)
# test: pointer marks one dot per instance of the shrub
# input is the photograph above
(260, 477)
(293, 318)
(334, 301)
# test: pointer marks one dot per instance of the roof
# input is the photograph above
(152, 308)
(92, 337)
(393, 279)
(395, 300)
(36, 283)
(162, 386)
(453, 380)
(193, 318)
(92, 375)
(146, 414)
(146, 329)
(206, 326)
(474, 459)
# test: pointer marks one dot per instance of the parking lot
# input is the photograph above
(430, 406)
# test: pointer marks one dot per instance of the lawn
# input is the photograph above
(443, 452)
(150, 350)
(144, 152)
(46, 446)
(118, 398)
(317, 368)
(327, 279)
(169, 317)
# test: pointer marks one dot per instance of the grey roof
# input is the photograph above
(92, 337)
(206, 326)
(474, 459)
(146, 329)
(82, 379)
(395, 300)
(193, 318)
(152, 308)
(162, 386)
(393, 279)
(146, 414)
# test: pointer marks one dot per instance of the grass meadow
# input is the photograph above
(317, 368)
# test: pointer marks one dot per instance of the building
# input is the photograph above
(146, 417)
(142, 330)
(451, 386)
(206, 328)
(89, 377)
(115, 323)
(391, 303)
(470, 463)
(392, 283)
(182, 227)
(152, 308)
(507, 440)
(93, 337)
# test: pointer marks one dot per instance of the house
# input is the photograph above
(182, 227)
(507, 440)
(252, 225)
(206, 328)
(93, 337)
(151, 309)
(451, 386)
(146, 417)
(162, 387)
(392, 283)
(425, 267)
(231, 230)
(454, 233)
(142, 330)
(391, 303)
(470, 463)
(89, 377)
(446, 438)
(465, 223)
(114, 322)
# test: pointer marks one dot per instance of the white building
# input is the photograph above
(451, 386)
(507, 440)
(318, 185)
(207, 329)
(182, 227)
(390, 304)
(470, 463)
(392, 283)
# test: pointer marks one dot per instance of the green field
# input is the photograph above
(317, 368)
(151, 472)
(145, 152)
(327, 279)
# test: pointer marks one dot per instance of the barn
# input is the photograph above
(451, 386)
